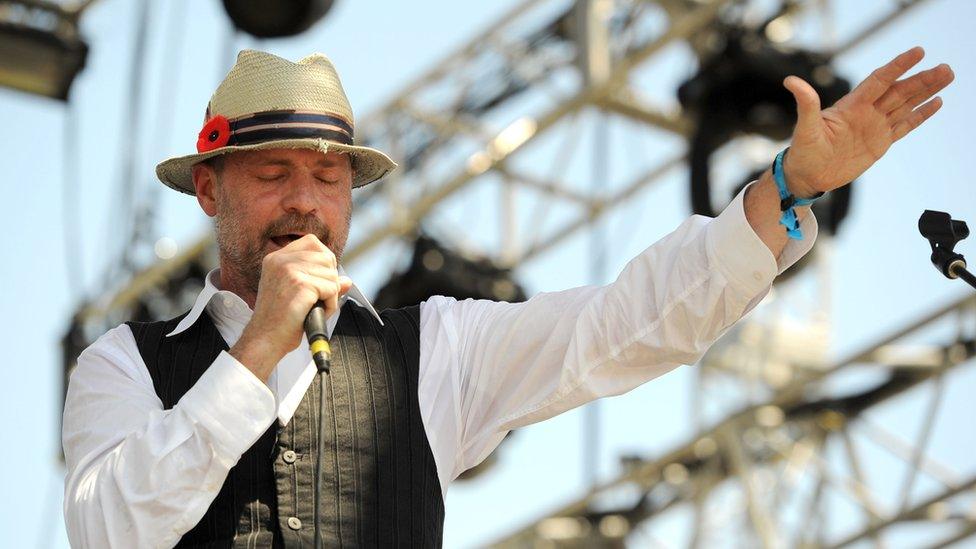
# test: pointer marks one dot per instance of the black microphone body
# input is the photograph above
(318, 336)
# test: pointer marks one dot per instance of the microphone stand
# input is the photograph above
(318, 342)
(943, 233)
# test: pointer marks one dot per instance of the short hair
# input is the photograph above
(216, 163)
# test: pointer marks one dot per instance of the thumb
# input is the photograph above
(345, 283)
(807, 100)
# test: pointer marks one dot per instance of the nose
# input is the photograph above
(300, 196)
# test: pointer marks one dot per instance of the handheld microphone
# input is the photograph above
(318, 337)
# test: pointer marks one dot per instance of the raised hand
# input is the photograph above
(832, 147)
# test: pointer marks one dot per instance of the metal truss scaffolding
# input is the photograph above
(470, 122)
(501, 123)
(778, 472)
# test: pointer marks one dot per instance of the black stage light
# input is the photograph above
(166, 297)
(41, 51)
(276, 18)
(435, 270)
(739, 91)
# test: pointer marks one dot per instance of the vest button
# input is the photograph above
(289, 457)
(294, 523)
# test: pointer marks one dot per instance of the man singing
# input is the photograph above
(203, 430)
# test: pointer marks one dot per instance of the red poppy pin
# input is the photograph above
(215, 134)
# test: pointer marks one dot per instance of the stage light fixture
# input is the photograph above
(41, 51)
(436, 270)
(167, 297)
(739, 91)
(275, 18)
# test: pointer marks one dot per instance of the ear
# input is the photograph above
(205, 184)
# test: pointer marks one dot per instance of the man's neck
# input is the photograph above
(231, 281)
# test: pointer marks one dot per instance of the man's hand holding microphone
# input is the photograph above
(293, 279)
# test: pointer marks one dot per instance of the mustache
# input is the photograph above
(295, 223)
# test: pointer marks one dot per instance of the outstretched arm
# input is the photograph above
(498, 366)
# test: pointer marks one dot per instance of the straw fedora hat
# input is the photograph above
(266, 102)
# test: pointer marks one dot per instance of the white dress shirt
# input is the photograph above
(139, 475)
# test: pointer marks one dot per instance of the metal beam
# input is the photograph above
(916, 512)
(793, 397)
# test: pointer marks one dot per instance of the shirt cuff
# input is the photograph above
(743, 257)
(231, 404)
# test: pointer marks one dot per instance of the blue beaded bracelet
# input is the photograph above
(787, 200)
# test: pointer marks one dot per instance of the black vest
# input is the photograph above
(380, 484)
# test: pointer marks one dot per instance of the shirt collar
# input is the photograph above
(211, 289)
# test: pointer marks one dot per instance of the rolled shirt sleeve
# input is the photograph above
(512, 365)
(139, 475)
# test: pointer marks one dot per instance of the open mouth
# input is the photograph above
(283, 240)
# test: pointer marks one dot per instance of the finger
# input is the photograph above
(807, 100)
(930, 82)
(311, 252)
(331, 297)
(326, 291)
(878, 82)
(907, 107)
(307, 242)
(345, 284)
(320, 271)
(331, 288)
(915, 119)
(325, 259)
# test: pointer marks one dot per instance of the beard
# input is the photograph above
(244, 254)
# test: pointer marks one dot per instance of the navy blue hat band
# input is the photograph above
(275, 125)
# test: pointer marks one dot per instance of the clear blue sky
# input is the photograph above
(880, 275)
